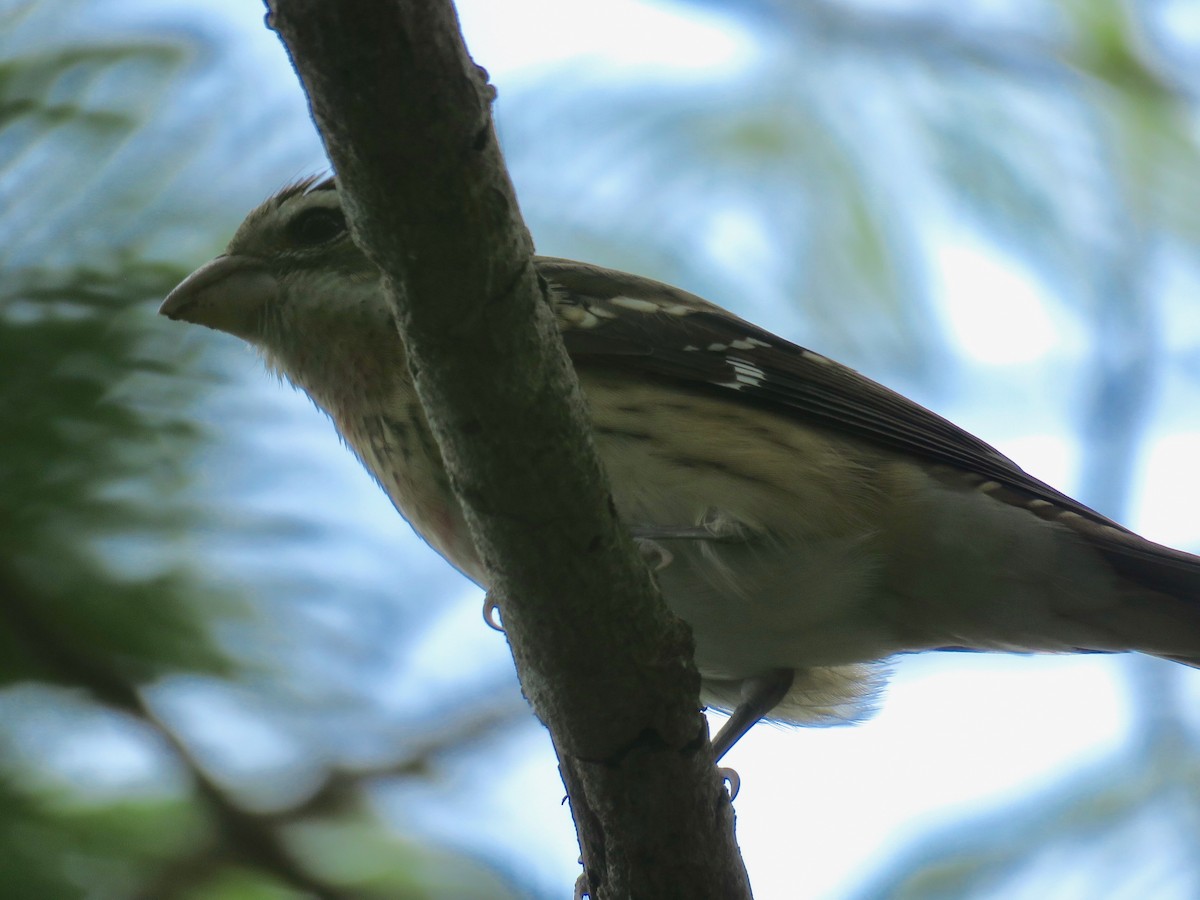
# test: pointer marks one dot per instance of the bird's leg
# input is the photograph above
(759, 696)
(716, 525)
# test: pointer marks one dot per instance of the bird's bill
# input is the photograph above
(229, 294)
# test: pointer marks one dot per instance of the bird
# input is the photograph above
(809, 524)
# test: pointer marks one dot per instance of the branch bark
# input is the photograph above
(406, 119)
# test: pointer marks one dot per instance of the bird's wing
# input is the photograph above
(615, 320)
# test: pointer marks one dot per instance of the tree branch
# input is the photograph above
(238, 834)
(405, 115)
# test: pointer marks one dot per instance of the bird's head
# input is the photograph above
(293, 284)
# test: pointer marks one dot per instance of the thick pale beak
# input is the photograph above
(228, 294)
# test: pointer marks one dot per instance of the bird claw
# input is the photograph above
(733, 779)
(491, 613)
(721, 526)
(655, 554)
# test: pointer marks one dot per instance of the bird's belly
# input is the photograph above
(776, 604)
(853, 555)
(803, 587)
(398, 449)
(848, 555)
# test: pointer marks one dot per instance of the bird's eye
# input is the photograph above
(315, 226)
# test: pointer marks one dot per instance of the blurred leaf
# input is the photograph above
(665, 169)
(53, 846)
(107, 587)
(1121, 829)
(78, 445)
(358, 856)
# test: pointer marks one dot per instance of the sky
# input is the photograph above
(957, 734)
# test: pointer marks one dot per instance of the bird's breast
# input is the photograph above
(398, 449)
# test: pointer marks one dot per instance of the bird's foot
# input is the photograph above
(759, 695)
(655, 554)
(491, 612)
(733, 779)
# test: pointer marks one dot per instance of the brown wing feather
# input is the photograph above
(695, 344)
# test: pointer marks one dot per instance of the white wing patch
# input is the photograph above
(817, 357)
(636, 305)
(748, 343)
(577, 316)
(744, 373)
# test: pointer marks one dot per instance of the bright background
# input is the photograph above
(231, 671)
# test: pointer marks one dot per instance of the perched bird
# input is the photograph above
(808, 523)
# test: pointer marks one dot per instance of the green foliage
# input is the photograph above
(771, 151)
(104, 611)
(53, 844)
(76, 464)
(74, 336)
